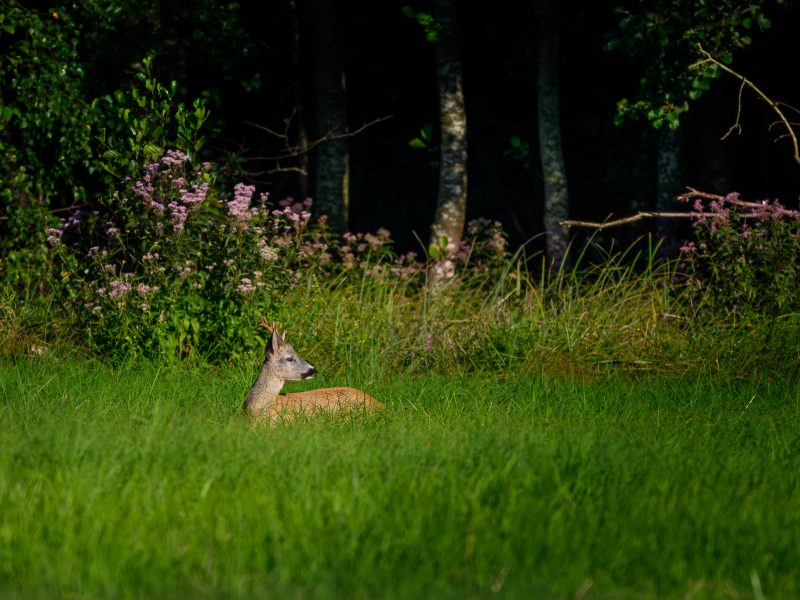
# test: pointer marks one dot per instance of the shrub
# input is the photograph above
(747, 256)
(44, 134)
(175, 266)
(172, 262)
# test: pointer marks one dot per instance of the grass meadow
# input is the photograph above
(146, 482)
(595, 436)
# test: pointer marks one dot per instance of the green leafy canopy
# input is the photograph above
(665, 36)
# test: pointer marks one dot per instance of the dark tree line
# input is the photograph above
(518, 104)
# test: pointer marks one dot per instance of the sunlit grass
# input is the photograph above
(147, 482)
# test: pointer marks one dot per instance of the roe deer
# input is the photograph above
(281, 363)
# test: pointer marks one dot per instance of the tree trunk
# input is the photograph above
(331, 182)
(452, 202)
(668, 186)
(556, 202)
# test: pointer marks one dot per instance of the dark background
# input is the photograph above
(390, 71)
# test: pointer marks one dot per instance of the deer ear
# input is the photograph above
(274, 343)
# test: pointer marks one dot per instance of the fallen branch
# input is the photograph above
(634, 218)
(756, 211)
(692, 194)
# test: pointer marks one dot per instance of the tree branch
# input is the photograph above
(756, 211)
(634, 218)
(291, 151)
(775, 106)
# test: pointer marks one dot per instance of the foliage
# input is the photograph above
(665, 36)
(519, 150)
(174, 268)
(170, 265)
(149, 120)
(746, 258)
(45, 132)
(430, 26)
(424, 141)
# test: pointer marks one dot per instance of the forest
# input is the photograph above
(555, 244)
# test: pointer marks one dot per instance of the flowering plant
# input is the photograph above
(173, 262)
(747, 255)
(173, 265)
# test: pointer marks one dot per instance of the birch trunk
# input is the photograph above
(452, 200)
(556, 201)
(331, 181)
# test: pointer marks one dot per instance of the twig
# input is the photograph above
(736, 125)
(291, 151)
(55, 210)
(775, 106)
(633, 218)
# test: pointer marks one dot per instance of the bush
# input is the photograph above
(746, 258)
(44, 134)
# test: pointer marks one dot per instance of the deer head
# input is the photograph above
(282, 359)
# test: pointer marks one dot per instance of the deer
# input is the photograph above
(281, 364)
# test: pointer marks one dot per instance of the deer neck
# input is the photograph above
(264, 393)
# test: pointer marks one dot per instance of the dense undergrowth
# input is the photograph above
(614, 317)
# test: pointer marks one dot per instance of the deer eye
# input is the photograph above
(290, 359)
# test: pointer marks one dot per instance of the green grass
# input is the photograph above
(145, 483)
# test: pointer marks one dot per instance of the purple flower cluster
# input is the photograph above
(163, 191)
(296, 212)
(746, 255)
(55, 234)
(246, 286)
(118, 288)
(173, 158)
(239, 207)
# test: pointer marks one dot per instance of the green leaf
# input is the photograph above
(747, 22)
(417, 143)
(432, 35)
(426, 132)
(764, 22)
(424, 19)
(434, 252)
(443, 242)
(408, 11)
(515, 141)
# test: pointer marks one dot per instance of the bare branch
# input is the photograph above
(736, 125)
(693, 193)
(291, 151)
(775, 106)
(634, 218)
(756, 212)
(56, 210)
(280, 169)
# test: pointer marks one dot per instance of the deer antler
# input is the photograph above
(271, 327)
(266, 325)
